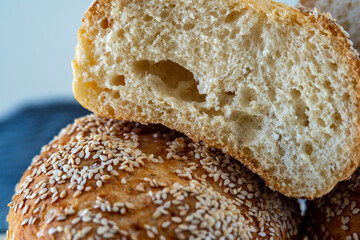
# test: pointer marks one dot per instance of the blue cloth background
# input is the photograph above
(21, 137)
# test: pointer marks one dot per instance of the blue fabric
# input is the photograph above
(21, 137)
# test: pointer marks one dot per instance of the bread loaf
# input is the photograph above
(107, 179)
(346, 12)
(337, 214)
(275, 87)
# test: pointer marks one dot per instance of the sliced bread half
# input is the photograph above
(273, 86)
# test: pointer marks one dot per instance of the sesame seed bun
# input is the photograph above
(108, 179)
(337, 214)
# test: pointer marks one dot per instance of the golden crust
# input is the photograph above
(306, 18)
(337, 214)
(102, 178)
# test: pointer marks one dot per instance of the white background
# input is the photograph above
(37, 42)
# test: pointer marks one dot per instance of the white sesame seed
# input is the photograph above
(24, 222)
(52, 231)
(262, 234)
(25, 210)
(63, 194)
(99, 183)
(176, 219)
(105, 177)
(76, 194)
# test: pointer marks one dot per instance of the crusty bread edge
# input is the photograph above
(312, 17)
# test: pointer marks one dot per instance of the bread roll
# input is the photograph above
(346, 12)
(107, 179)
(274, 87)
(337, 214)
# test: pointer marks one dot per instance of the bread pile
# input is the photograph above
(243, 85)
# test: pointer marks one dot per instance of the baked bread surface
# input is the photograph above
(346, 12)
(108, 179)
(273, 86)
(337, 214)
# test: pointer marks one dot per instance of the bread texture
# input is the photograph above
(273, 86)
(337, 214)
(346, 12)
(108, 179)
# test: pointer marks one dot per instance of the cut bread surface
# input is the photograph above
(275, 87)
(346, 12)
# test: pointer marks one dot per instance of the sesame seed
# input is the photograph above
(105, 177)
(165, 224)
(25, 210)
(355, 236)
(52, 231)
(24, 222)
(63, 194)
(176, 219)
(75, 220)
(99, 183)
(262, 234)
(76, 194)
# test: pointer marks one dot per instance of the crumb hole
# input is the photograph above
(188, 26)
(337, 117)
(211, 112)
(346, 97)
(274, 170)
(118, 80)
(247, 95)
(110, 110)
(245, 125)
(314, 99)
(328, 86)
(179, 81)
(277, 54)
(148, 18)
(308, 148)
(247, 151)
(164, 14)
(233, 16)
(139, 109)
(234, 33)
(120, 32)
(224, 33)
(104, 23)
(295, 94)
(226, 98)
(334, 67)
(321, 122)
(301, 113)
(116, 95)
(109, 61)
(272, 94)
(118, 60)
(93, 85)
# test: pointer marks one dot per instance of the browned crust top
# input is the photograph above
(104, 178)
